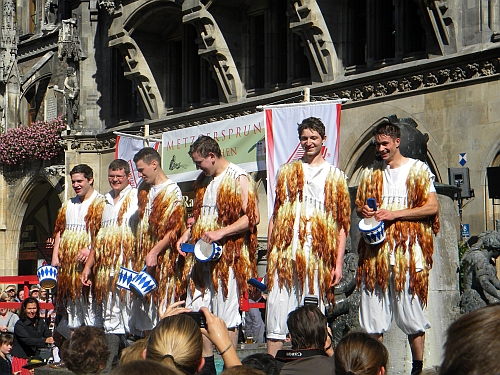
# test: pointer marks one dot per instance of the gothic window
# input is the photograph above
(126, 105)
(381, 32)
(271, 61)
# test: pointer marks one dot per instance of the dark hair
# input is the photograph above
(307, 327)
(144, 366)
(147, 155)
(262, 361)
(472, 343)
(86, 352)
(242, 370)
(312, 123)
(205, 145)
(119, 164)
(361, 354)
(84, 169)
(22, 310)
(388, 129)
(6, 338)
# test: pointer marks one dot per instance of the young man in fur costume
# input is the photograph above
(225, 211)
(307, 232)
(76, 227)
(393, 275)
(114, 247)
(161, 222)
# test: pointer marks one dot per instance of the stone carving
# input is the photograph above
(431, 80)
(488, 69)
(139, 72)
(8, 41)
(405, 85)
(108, 5)
(381, 90)
(459, 74)
(427, 79)
(343, 315)
(307, 21)
(213, 48)
(481, 285)
(445, 73)
(50, 16)
(358, 95)
(474, 68)
(69, 44)
(70, 91)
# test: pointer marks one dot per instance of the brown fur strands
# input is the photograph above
(239, 250)
(60, 224)
(325, 228)
(402, 236)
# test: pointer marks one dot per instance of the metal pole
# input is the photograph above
(146, 135)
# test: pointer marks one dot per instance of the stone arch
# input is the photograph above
(31, 214)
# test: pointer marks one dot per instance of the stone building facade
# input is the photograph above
(173, 63)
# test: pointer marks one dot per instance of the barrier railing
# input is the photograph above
(26, 281)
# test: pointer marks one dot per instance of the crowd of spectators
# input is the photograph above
(175, 346)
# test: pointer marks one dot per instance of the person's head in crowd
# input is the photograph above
(133, 352)
(43, 294)
(264, 362)
(20, 295)
(472, 343)
(11, 291)
(86, 351)
(35, 291)
(308, 328)
(6, 341)
(242, 370)
(4, 297)
(29, 309)
(176, 341)
(361, 354)
(144, 367)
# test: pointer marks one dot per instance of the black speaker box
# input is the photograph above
(493, 174)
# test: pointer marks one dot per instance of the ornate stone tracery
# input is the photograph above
(307, 21)
(69, 43)
(213, 48)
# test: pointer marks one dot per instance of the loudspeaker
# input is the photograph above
(493, 174)
(460, 177)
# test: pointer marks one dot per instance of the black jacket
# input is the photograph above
(5, 367)
(29, 336)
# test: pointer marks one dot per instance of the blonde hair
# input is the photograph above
(133, 352)
(176, 342)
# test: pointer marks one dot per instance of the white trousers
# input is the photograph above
(225, 308)
(377, 309)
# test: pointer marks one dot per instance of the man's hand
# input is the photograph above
(83, 255)
(184, 238)
(385, 215)
(151, 259)
(336, 275)
(85, 276)
(367, 212)
(213, 236)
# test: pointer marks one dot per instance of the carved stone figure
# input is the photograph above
(343, 316)
(50, 13)
(481, 284)
(70, 92)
